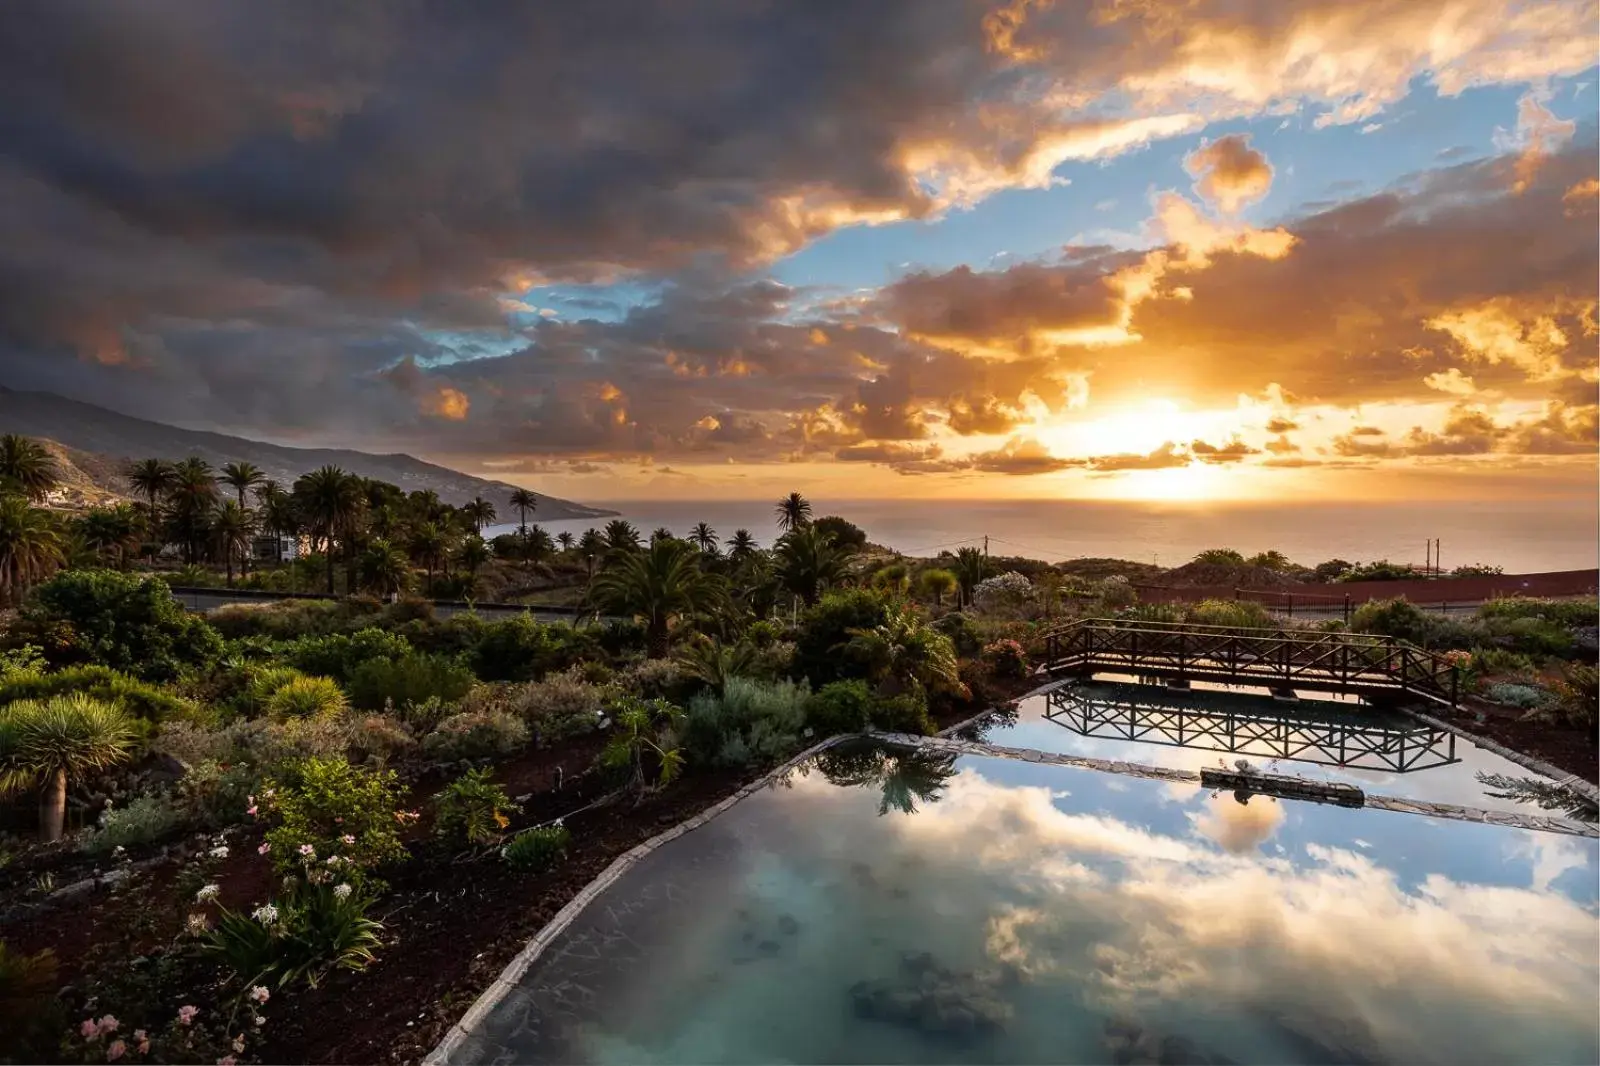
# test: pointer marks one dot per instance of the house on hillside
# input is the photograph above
(266, 548)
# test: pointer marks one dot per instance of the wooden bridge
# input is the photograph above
(1356, 663)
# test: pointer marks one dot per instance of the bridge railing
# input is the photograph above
(1348, 660)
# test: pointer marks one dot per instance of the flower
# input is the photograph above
(334, 860)
(116, 1050)
(307, 852)
(347, 839)
(227, 1060)
(341, 891)
(259, 994)
(259, 1020)
(89, 1029)
(141, 1041)
(251, 810)
(266, 846)
(186, 1014)
(197, 925)
(207, 893)
(238, 1043)
(108, 1024)
(220, 851)
(266, 914)
(118, 851)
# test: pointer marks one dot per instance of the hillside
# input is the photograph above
(94, 442)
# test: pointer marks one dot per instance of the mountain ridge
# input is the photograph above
(101, 433)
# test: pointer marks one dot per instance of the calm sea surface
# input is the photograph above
(1522, 537)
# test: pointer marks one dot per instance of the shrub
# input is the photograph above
(215, 795)
(905, 713)
(750, 722)
(1531, 635)
(644, 736)
(561, 705)
(376, 738)
(138, 699)
(538, 848)
(408, 679)
(1235, 614)
(839, 707)
(1152, 612)
(298, 937)
(476, 735)
(1005, 658)
(337, 655)
(1490, 661)
(290, 619)
(1117, 592)
(1567, 613)
(270, 745)
(472, 809)
(1396, 618)
(1003, 592)
(306, 697)
(963, 632)
(334, 817)
(517, 649)
(763, 633)
(125, 622)
(408, 609)
(657, 679)
(1523, 697)
(144, 821)
(1577, 697)
(264, 682)
(1383, 570)
(824, 631)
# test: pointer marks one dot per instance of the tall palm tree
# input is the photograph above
(621, 536)
(480, 512)
(153, 477)
(591, 546)
(658, 584)
(428, 546)
(330, 501)
(112, 531)
(232, 529)
(741, 545)
(537, 547)
(31, 548)
(808, 562)
(703, 537)
(471, 554)
(384, 569)
(524, 501)
(566, 540)
(26, 466)
(241, 477)
(191, 499)
(661, 533)
(971, 568)
(937, 583)
(45, 743)
(794, 511)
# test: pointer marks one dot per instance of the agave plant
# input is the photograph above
(43, 744)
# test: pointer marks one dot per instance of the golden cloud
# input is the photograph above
(447, 403)
(1229, 173)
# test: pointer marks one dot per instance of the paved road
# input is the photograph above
(202, 600)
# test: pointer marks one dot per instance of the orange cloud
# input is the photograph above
(1229, 173)
(447, 403)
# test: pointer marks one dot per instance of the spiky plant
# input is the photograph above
(45, 743)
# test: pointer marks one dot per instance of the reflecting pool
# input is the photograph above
(884, 906)
(1380, 751)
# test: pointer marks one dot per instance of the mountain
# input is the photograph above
(92, 443)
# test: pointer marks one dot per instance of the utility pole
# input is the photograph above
(1427, 556)
(986, 545)
(1437, 568)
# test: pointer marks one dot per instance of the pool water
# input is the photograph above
(1378, 751)
(903, 907)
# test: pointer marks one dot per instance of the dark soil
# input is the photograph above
(1568, 749)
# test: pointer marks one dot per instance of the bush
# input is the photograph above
(338, 655)
(214, 795)
(306, 697)
(298, 937)
(561, 705)
(409, 679)
(335, 817)
(271, 745)
(1117, 592)
(839, 707)
(1566, 613)
(518, 649)
(472, 809)
(1531, 635)
(1153, 612)
(1522, 697)
(1490, 661)
(750, 722)
(823, 635)
(905, 713)
(290, 619)
(138, 699)
(1577, 697)
(657, 679)
(1234, 614)
(476, 735)
(128, 623)
(1004, 592)
(1396, 618)
(376, 738)
(263, 683)
(844, 533)
(144, 821)
(1005, 658)
(538, 848)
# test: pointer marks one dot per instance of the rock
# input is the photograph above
(768, 947)
(787, 925)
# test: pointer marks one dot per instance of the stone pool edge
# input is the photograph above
(1570, 782)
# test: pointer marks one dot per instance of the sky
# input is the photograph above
(1114, 249)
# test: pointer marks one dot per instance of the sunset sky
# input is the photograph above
(1124, 249)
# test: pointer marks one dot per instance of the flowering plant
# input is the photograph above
(1006, 658)
(300, 936)
(329, 808)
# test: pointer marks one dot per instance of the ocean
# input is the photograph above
(1521, 537)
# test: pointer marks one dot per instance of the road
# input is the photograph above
(202, 600)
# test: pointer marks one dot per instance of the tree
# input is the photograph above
(741, 545)
(703, 537)
(661, 533)
(894, 577)
(537, 547)
(30, 546)
(384, 569)
(657, 584)
(471, 554)
(232, 528)
(480, 512)
(591, 546)
(1219, 557)
(794, 511)
(524, 501)
(153, 477)
(621, 536)
(191, 499)
(428, 546)
(43, 744)
(566, 540)
(241, 477)
(110, 532)
(904, 654)
(808, 562)
(278, 515)
(330, 501)
(846, 534)
(26, 466)
(937, 583)
(126, 622)
(971, 568)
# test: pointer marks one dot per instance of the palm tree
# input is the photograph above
(794, 511)
(241, 477)
(112, 531)
(661, 533)
(971, 568)
(937, 583)
(904, 653)
(471, 554)
(480, 512)
(524, 501)
(894, 578)
(30, 546)
(703, 537)
(428, 547)
(566, 540)
(278, 516)
(741, 545)
(330, 501)
(621, 536)
(26, 466)
(384, 569)
(591, 546)
(657, 584)
(191, 498)
(537, 547)
(715, 663)
(44, 744)
(232, 528)
(153, 477)
(902, 777)
(808, 562)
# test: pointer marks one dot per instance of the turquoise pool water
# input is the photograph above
(921, 909)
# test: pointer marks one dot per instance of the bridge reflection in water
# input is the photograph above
(1265, 731)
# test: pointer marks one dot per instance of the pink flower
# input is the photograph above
(186, 1014)
(260, 994)
(89, 1029)
(307, 849)
(347, 839)
(251, 810)
(265, 847)
(338, 821)
(141, 1041)
(227, 1060)
(108, 1024)
(116, 1051)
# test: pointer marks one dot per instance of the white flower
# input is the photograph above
(197, 925)
(265, 914)
(347, 839)
(308, 851)
(260, 1020)
(260, 994)
(238, 1044)
(207, 894)
(119, 851)
(334, 860)
(220, 851)
(341, 891)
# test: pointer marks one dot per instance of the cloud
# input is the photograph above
(1229, 173)
(1451, 381)
(1281, 425)
(1020, 456)
(887, 453)
(1231, 451)
(1164, 457)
